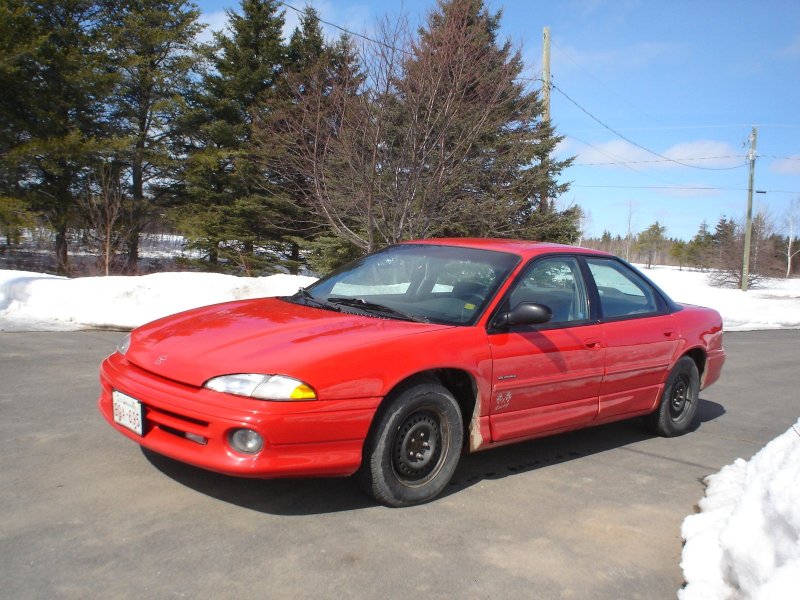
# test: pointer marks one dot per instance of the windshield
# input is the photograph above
(416, 282)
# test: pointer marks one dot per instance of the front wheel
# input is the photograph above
(678, 408)
(414, 446)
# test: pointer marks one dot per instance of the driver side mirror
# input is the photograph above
(524, 313)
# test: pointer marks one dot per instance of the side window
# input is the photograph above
(622, 291)
(557, 283)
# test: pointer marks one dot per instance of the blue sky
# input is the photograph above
(685, 79)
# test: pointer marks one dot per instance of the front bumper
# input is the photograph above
(317, 438)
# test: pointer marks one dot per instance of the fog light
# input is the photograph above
(247, 441)
(196, 438)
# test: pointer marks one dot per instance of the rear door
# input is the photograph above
(547, 377)
(640, 335)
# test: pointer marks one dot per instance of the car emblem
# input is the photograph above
(161, 359)
(502, 401)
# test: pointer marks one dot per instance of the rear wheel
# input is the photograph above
(414, 446)
(678, 408)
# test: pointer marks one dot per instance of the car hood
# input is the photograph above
(255, 336)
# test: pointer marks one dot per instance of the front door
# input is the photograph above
(547, 378)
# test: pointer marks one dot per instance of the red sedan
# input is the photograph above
(394, 365)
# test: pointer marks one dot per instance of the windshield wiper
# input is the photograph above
(377, 308)
(309, 300)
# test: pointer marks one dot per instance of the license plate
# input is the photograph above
(128, 412)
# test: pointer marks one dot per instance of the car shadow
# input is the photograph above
(295, 497)
(548, 451)
(708, 411)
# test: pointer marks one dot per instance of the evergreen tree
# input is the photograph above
(306, 46)
(56, 123)
(651, 241)
(431, 138)
(307, 54)
(230, 212)
(152, 45)
(504, 182)
(698, 250)
(14, 217)
(678, 251)
(723, 240)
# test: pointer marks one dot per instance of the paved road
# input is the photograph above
(595, 514)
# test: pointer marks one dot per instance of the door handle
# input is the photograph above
(669, 333)
(593, 344)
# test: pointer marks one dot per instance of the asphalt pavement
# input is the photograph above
(85, 513)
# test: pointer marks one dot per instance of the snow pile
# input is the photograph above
(36, 302)
(746, 541)
(33, 302)
(775, 304)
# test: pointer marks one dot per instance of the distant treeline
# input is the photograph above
(720, 250)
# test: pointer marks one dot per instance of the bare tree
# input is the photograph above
(629, 233)
(728, 242)
(791, 222)
(102, 205)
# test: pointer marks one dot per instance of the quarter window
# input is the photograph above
(622, 291)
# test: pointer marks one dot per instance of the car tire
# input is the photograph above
(413, 447)
(677, 410)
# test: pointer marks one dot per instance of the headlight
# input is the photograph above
(123, 346)
(263, 387)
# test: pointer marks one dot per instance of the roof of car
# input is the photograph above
(522, 247)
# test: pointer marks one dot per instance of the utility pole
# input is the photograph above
(546, 72)
(748, 227)
(544, 205)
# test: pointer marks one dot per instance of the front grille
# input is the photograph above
(174, 423)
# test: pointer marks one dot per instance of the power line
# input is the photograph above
(675, 127)
(659, 160)
(347, 31)
(660, 187)
(622, 163)
(603, 84)
(630, 141)
(562, 92)
(681, 187)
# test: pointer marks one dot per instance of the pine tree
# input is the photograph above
(152, 44)
(502, 177)
(435, 137)
(699, 248)
(651, 241)
(56, 123)
(230, 212)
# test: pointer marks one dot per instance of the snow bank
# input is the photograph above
(36, 302)
(746, 541)
(775, 304)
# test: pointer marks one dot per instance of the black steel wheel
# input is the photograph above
(678, 407)
(413, 447)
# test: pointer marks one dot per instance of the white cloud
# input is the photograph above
(786, 166)
(706, 153)
(631, 57)
(702, 153)
(214, 21)
(614, 151)
(792, 50)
